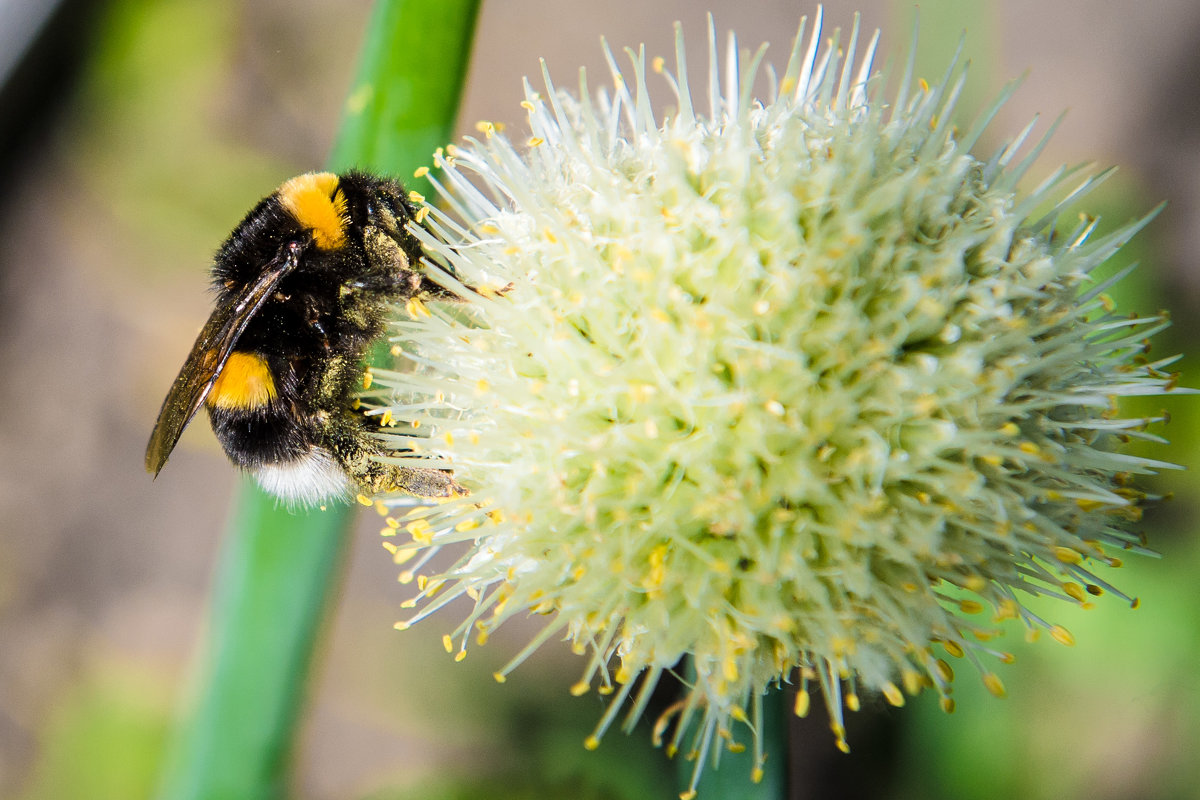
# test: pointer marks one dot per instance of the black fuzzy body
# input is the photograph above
(311, 329)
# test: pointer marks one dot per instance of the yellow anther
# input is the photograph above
(953, 648)
(401, 626)
(416, 309)
(1067, 555)
(591, 743)
(364, 500)
(1062, 635)
(892, 693)
(500, 677)
(803, 703)
(992, 681)
(1074, 591)
(448, 643)
(1006, 609)
(420, 172)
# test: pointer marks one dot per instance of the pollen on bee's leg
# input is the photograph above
(431, 483)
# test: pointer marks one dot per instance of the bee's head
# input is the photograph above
(385, 205)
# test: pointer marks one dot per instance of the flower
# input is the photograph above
(796, 388)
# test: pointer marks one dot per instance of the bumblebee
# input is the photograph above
(303, 285)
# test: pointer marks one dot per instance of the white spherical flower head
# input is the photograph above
(796, 388)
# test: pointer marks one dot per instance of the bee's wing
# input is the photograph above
(209, 354)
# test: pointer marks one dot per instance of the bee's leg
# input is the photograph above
(358, 453)
(314, 322)
(307, 306)
(400, 278)
(417, 481)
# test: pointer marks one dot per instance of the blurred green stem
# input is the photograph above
(732, 779)
(278, 570)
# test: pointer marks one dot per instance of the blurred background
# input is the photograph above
(133, 136)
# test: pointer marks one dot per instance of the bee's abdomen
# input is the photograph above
(268, 435)
(245, 384)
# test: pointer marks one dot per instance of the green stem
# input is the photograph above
(405, 99)
(278, 570)
(732, 779)
(274, 576)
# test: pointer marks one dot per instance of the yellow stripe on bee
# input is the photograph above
(317, 204)
(244, 384)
